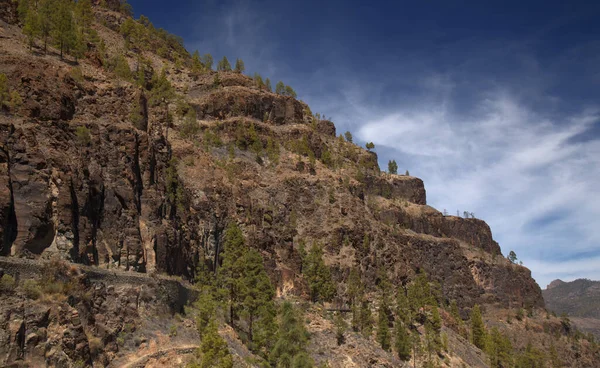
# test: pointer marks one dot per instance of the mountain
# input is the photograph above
(578, 299)
(130, 170)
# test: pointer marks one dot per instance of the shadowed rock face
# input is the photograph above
(239, 101)
(133, 200)
(97, 203)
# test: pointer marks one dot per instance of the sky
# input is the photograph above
(495, 105)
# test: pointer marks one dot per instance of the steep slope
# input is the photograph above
(95, 171)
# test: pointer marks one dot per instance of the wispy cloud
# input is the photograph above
(504, 126)
(512, 166)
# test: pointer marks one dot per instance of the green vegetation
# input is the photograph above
(247, 290)
(239, 66)
(370, 146)
(141, 35)
(83, 135)
(290, 349)
(317, 275)
(66, 23)
(120, 67)
(402, 342)
(340, 328)
(393, 167)
(512, 257)
(207, 61)
(189, 127)
(7, 283)
(9, 99)
(4, 92)
(284, 90)
(477, 328)
(223, 65)
(213, 350)
(499, 349)
(384, 312)
(348, 137)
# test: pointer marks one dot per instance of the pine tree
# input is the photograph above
(340, 328)
(4, 94)
(499, 349)
(530, 358)
(206, 307)
(280, 88)
(215, 353)
(393, 167)
(348, 137)
(259, 81)
(223, 65)
(318, 275)
(15, 102)
(290, 348)
(402, 342)
(365, 318)
(231, 270)
(84, 18)
(128, 30)
(433, 327)
(46, 14)
(289, 91)
(23, 9)
(370, 146)
(162, 93)
(121, 68)
(403, 311)
(477, 327)
(512, 257)
(268, 85)
(32, 26)
(419, 294)
(207, 61)
(355, 294)
(256, 298)
(239, 66)
(64, 29)
(196, 62)
(383, 329)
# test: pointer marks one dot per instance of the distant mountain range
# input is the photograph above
(579, 299)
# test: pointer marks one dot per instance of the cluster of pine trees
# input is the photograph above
(238, 287)
(142, 35)
(64, 23)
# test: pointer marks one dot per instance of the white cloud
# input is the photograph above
(521, 171)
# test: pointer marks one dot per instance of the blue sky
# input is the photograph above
(494, 105)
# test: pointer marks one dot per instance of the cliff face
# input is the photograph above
(79, 181)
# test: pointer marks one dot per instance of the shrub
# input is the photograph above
(32, 289)
(83, 135)
(96, 345)
(190, 127)
(7, 284)
(77, 75)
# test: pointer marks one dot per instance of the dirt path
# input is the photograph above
(135, 361)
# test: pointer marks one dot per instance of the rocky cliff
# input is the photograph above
(79, 181)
